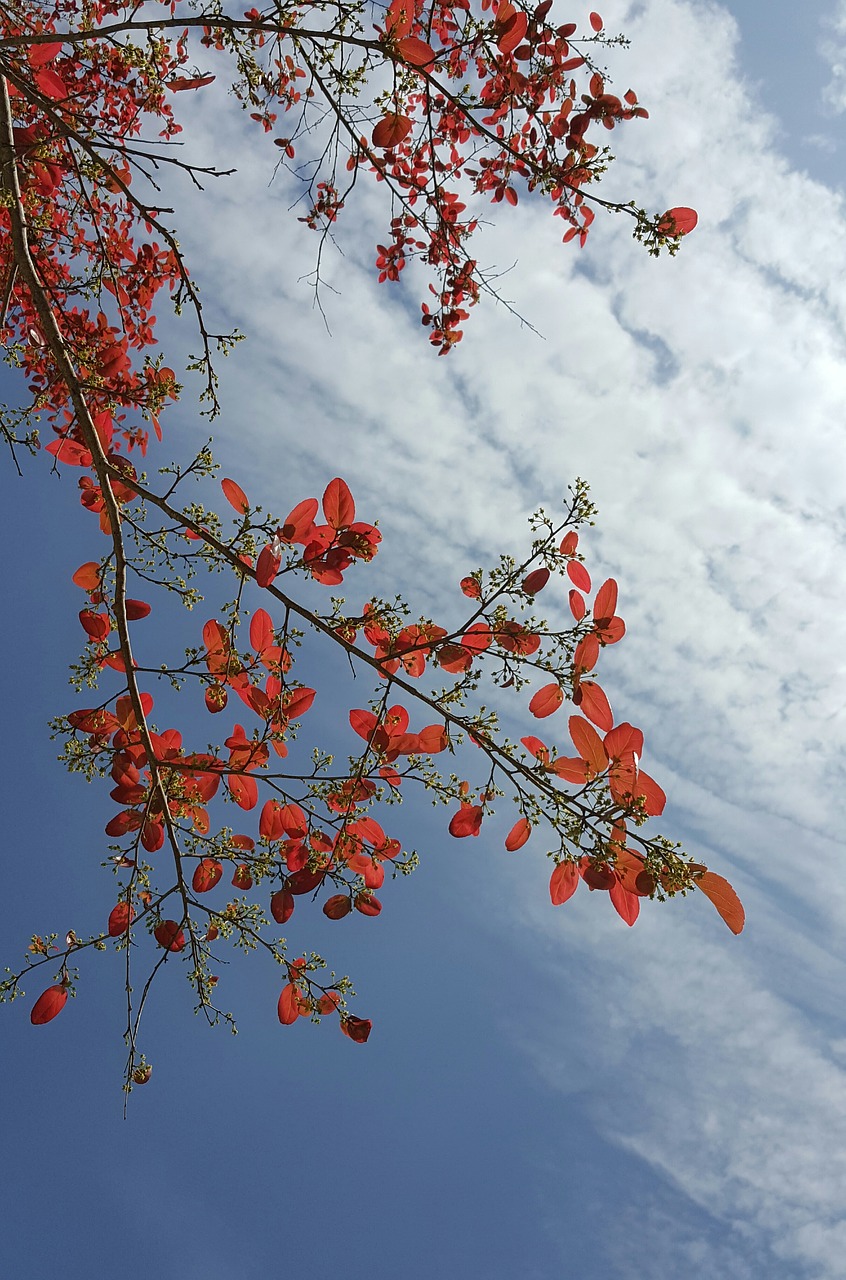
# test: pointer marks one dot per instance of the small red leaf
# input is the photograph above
(605, 604)
(358, 1029)
(626, 904)
(518, 835)
(136, 609)
(468, 585)
(120, 918)
(535, 581)
(577, 605)
(282, 905)
(180, 83)
(724, 899)
(235, 496)
(467, 822)
(48, 1005)
(87, 576)
(206, 875)
(390, 132)
(261, 631)
(678, 222)
(267, 567)
(578, 575)
(546, 700)
(563, 882)
(169, 935)
(594, 704)
(588, 744)
(596, 22)
(338, 906)
(288, 1008)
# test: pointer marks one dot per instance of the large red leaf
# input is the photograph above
(605, 604)
(467, 822)
(235, 496)
(120, 918)
(626, 904)
(592, 702)
(169, 935)
(243, 789)
(288, 1007)
(391, 130)
(415, 51)
(654, 798)
(724, 899)
(563, 883)
(338, 505)
(261, 631)
(588, 744)
(578, 575)
(48, 1005)
(678, 222)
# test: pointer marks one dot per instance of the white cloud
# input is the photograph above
(704, 397)
(833, 51)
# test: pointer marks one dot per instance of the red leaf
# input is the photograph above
(169, 935)
(471, 588)
(235, 496)
(477, 638)
(518, 835)
(288, 1007)
(48, 1005)
(569, 543)
(206, 875)
(724, 899)
(180, 83)
(563, 882)
(338, 505)
(594, 704)
(358, 1029)
(546, 700)
(136, 609)
(336, 907)
(605, 604)
(654, 798)
(390, 132)
(40, 54)
(537, 748)
(515, 30)
(415, 51)
(596, 22)
(577, 605)
(467, 822)
(267, 567)
(586, 654)
(678, 222)
(626, 904)
(261, 631)
(120, 918)
(243, 789)
(96, 625)
(570, 769)
(588, 744)
(578, 575)
(216, 698)
(282, 905)
(242, 878)
(535, 581)
(50, 84)
(625, 737)
(368, 904)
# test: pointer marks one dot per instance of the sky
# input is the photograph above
(546, 1093)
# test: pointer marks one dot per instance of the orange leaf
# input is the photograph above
(415, 51)
(724, 899)
(235, 496)
(513, 33)
(87, 576)
(243, 789)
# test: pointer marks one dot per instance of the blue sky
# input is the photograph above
(545, 1093)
